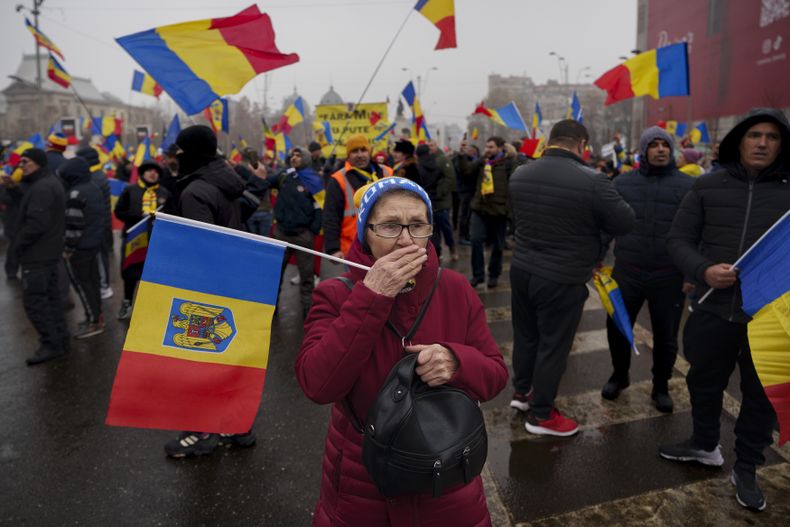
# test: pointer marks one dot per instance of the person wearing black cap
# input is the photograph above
(99, 178)
(135, 203)
(723, 215)
(39, 246)
(405, 162)
(317, 161)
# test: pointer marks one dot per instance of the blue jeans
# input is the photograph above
(260, 223)
(484, 229)
(442, 227)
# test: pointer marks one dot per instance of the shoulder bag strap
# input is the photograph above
(420, 315)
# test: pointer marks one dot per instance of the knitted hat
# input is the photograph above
(369, 194)
(691, 155)
(90, 155)
(357, 141)
(404, 147)
(650, 135)
(57, 141)
(36, 155)
(199, 148)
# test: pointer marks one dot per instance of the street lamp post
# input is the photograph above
(579, 74)
(563, 66)
(35, 12)
(420, 84)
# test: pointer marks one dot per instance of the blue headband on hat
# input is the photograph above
(379, 188)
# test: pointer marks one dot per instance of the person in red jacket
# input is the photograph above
(347, 353)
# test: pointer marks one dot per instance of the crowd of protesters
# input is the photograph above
(675, 230)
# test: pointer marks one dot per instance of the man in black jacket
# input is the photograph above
(561, 208)
(642, 266)
(38, 246)
(99, 178)
(723, 215)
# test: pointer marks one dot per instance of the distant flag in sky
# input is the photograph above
(575, 111)
(441, 13)
(42, 40)
(172, 133)
(217, 115)
(57, 73)
(200, 61)
(419, 126)
(507, 115)
(537, 118)
(197, 349)
(292, 116)
(144, 83)
(661, 72)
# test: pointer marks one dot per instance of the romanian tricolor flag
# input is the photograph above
(419, 127)
(661, 72)
(57, 73)
(116, 187)
(198, 62)
(537, 118)
(136, 247)
(144, 83)
(700, 134)
(269, 138)
(765, 287)
(196, 352)
(217, 115)
(441, 13)
(235, 154)
(612, 300)
(507, 115)
(106, 126)
(42, 40)
(292, 116)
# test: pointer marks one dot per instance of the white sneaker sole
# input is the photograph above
(522, 407)
(705, 461)
(741, 503)
(539, 430)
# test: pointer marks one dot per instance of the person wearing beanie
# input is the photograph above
(85, 235)
(317, 161)
(38, 246)
(349, 347)
(643, 268)
(56, 145)
(209, 191)
(689, 162)
(724, 214)
(405, 163)
(340, 214)
(99, 178)
(137, 201)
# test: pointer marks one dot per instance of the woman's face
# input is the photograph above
(151, 176)
(398, 208)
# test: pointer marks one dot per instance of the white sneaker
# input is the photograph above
(295, 280)
(106, 293)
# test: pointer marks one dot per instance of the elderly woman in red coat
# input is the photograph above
(347, 353)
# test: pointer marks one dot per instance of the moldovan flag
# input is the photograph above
(198, 62)
(441, 13)
(765, 287)
(197, 348)
(612, 300)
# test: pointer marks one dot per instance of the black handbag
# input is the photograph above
(420, 439)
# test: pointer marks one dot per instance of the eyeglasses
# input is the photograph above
(394, 230)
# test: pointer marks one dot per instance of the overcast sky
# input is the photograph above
(341, 41)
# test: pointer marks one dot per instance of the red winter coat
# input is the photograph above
(347, 352)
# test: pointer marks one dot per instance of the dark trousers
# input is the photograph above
(83, 268)
(545, 317)
(464, 214)
(44, 305)
(665, 299)
(713, 347)
(455, 209)
(484, 229)
(11, 261)
(442, 228)
(304, 261)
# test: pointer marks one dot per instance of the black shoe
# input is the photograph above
(125, 312)
(465, 241)
(192, 444)
(91, 329)
(689, 451)
(747, 492)
(493, 281)
(611, 390)
(663, 401)
(44, 354)
(474, 281)
(240, 440)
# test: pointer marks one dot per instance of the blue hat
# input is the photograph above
(378, 189)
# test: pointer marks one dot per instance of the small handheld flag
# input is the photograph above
(217, 115)
(507, 116)
(575, 111)
(144, 83)
(57, 73)
(612, 301)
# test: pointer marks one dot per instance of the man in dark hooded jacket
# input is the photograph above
(723, 215)
(209, 191)
(642, 266)
(99, 178)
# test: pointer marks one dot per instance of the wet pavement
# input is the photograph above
(60, 465)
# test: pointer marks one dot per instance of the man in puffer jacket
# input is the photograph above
(723, 215)
(99, 178)
(85, 235)
(642, 267)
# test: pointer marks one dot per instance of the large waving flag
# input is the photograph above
(765, 287)
(575, 111)
(507, 116)
(198, 62)
(612, 301)
(144, 83)
(419, 126)
(218, 115)
(196, 353)
(42, 40)
(661, 72)
(441, 13)
(57, 73)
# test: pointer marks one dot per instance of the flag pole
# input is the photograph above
(372, 77)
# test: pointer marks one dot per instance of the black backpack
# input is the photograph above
(420, 439)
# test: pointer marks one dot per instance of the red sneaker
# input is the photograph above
(555, 425)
